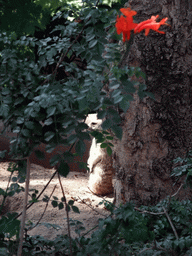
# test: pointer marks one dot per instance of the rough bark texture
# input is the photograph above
(156, 132)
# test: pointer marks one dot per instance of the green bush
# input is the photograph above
(48, 87)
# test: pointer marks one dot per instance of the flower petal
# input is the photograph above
(125, 24)
(128, 12)
(150, 24)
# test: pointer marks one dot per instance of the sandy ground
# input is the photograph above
(75, 187)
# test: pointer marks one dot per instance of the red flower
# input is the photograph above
(151, 24)
(125, 24)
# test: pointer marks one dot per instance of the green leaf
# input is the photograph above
(109, 137)
(11, 193)
(118, 131)
(107, 102)
(109, 151)
(125, 103)
(51, 111)
(4, 110)
(104, 145)
(54, 204)
(75, 209)
(118, 99)
(9, 225)
(92, 43)
(39, 154)
(150, 94)
(89, 37)
(3, 153)
(101, 114)
(4, 251)
(14, 179)
(61, 206)
(49, 136)
(115, 93)
(141, 94)
(106, 124)
(63, 168)
(114, 85)
(72, 138)
(68, 208)
(80, 147)
(83, 136)
(71, 202)
(26, 132)
(30, 125)
(128, 86)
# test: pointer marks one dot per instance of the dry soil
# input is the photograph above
(75, 187)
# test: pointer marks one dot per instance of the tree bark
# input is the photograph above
(157, 131)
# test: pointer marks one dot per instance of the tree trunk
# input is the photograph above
(157, 131)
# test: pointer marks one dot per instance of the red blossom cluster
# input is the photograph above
(124, 24)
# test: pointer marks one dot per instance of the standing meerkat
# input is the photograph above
(100, 163)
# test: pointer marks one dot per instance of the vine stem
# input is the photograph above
(39, 194)
(6, 191)
(69, 48)
(19, 252)
(67, 213)
(169, 219)
(44, 209)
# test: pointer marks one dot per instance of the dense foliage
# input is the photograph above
(127, 231)
(51, 77)
(49, 86)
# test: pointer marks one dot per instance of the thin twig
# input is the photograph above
(44, 209)
(72, 145)
(39, 194)
(174, 230)
(169, 202)
(90, 230)
(177, 190)
(146, 249)
(64, 55)
(19, 252)
(90, 206)
(5, 196)
(67, 213)
(153, 247)
(152, 213)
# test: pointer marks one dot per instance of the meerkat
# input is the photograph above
(100, 164)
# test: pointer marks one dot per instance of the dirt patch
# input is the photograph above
(75, 186)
